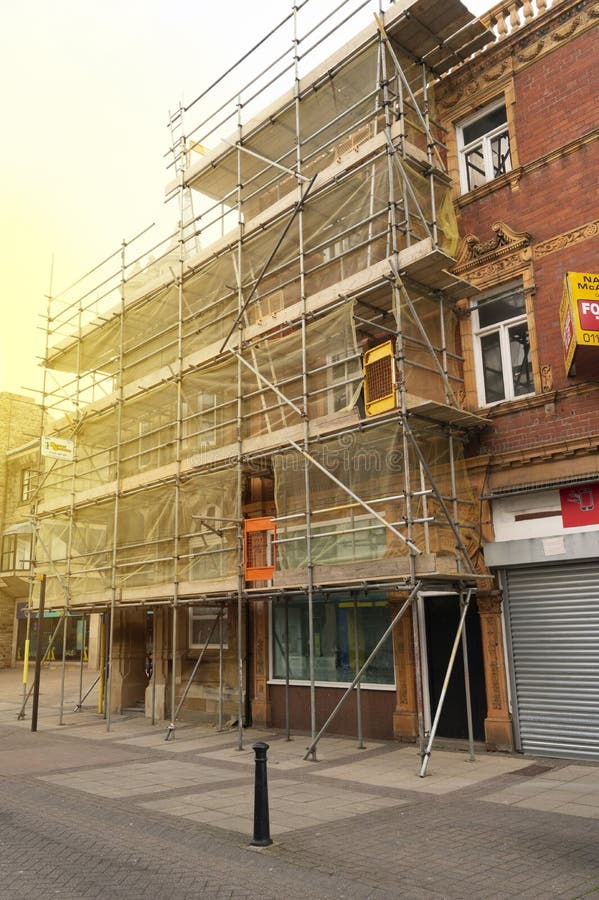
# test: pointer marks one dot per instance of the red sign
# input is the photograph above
(580, 505)
(588, 313)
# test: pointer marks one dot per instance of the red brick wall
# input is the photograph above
(556, 98)
(555, 104)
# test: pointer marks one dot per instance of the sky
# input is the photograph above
(88, 88)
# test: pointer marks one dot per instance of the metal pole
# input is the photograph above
(82, 653)
(102, 687)
(467, 693)
(287, 720)
(108, 697)
(418, 677)
(357, 663)
(312, 748)
(241, 306)
(64, 663)
(452, 657)
(38, 655)
(154, 666)
(220, 670)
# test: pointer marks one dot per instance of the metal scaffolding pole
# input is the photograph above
(301, 198)
(179, 414)
(356, 667)
(241, 307)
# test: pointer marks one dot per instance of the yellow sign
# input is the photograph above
(579, 314)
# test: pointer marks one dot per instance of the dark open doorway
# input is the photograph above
(442, 615)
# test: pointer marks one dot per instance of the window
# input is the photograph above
(26, 484)
(502, 347)
(16, 552)
(345, 634)
(341, 384)
(333, 542)
(212, 549)
(484, 147)
(204, 626)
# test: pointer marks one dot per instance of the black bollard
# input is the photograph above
(261, 815)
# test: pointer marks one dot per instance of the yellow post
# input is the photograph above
(26, 662)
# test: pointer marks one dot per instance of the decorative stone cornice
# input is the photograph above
(498, 61)
(507, 252)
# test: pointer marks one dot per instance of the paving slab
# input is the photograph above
(447, 771)
(232, 807)
(138, 778)
(571, 790)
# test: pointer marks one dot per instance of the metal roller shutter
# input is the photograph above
(553, 615)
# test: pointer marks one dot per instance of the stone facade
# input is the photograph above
(19, 427)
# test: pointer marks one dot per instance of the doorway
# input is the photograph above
(441, 618)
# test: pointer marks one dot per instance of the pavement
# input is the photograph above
(91, 812)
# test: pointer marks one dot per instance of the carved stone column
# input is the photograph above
(261, 707)
(156, 689)
(405, 716)
(128, 681)
(498, 724)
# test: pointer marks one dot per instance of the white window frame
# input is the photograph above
(346, 384)
(209, 614)
(485, 141)
(502, 327)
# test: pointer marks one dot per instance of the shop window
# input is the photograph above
(502, 347)
(338, 656)
(204, 625)
(484, 147)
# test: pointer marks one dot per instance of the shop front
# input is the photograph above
(547, 555)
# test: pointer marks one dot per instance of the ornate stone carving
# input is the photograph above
(546, 379)
(506, 252)
(561, 241)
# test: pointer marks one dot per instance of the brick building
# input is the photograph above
(327, 424)
(523, 124)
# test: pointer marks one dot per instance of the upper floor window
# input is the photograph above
(502, 346)
(484, 147)
(26, 484)
(16, 552)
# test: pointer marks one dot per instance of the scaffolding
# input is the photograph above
(288, 352)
